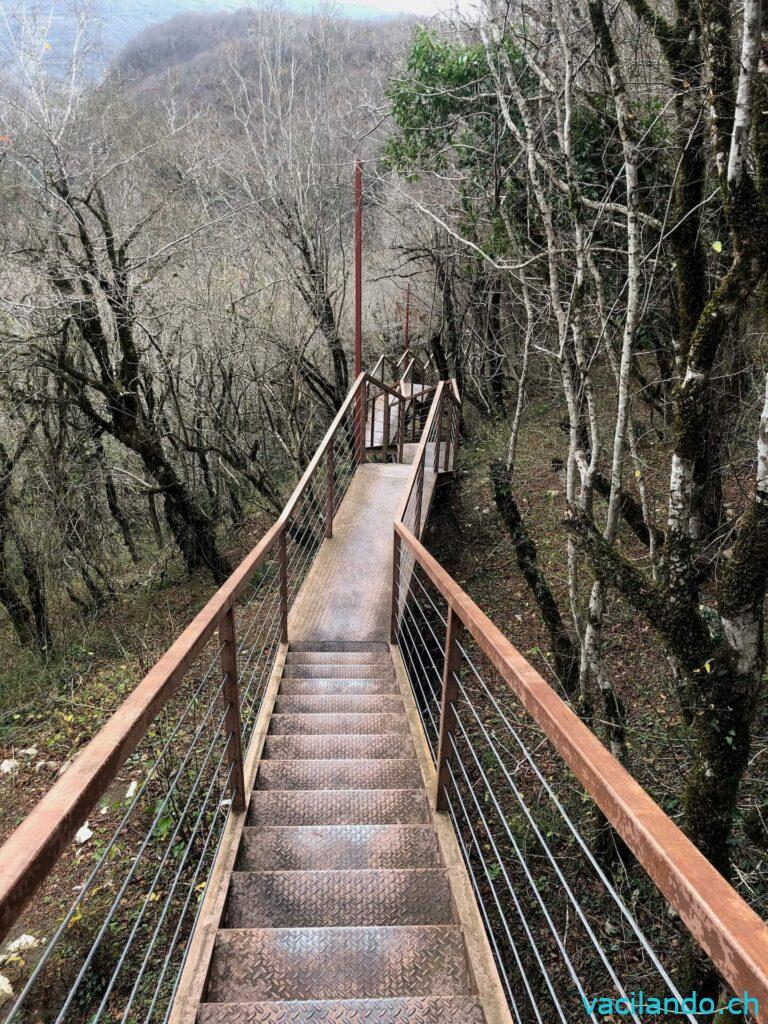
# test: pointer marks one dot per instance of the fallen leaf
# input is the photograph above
(83, 834)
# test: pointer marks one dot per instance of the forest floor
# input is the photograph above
(469, 538)
(48, 712)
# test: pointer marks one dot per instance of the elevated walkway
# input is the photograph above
(344, 797)
(346, 594)
(341, 904)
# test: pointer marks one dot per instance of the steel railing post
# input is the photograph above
(230, 689)
(385, 436)
(363, 420)
(451, 664)
(329, 483)
(400, 428)
(439, 431)
(283, 568)
(457, 436)
(394, 614)
(419, 499)
(449, 435)
(358, 425)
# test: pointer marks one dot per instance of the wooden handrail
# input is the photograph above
(315, 460)
(378, 383)
(31, 850)
(731, 934)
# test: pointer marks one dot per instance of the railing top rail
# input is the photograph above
(371, 379)
(33, 847)
(730, 932)
(301, 486)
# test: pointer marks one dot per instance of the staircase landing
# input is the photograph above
(347, 590)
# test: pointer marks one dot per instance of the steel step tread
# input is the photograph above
(339, 746)
(338, 807)
(344, 646)
(338, 898)
(329, 704)
(338, 671)
(350, 723)
(416, 1010)
(368, 687)
(259, 964)
(339, 658)
(344, 773)
(353, 847)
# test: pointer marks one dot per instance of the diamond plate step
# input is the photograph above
(322, 646)
(339, 658)
(392, 745)
(381, 773)
(424, 1010)
(354, 724)
(255, 965)
(309, 848)
(369, 687)
(333, 899)
(340, 807)
(334, 671)
(328, 704)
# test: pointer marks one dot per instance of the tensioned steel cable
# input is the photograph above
(129, 876)
(530, 879)
(265, 624)
(545, 846)
(427, 700)
(429, 598)
(254, 618)
(414, 676)
(577, 836)
(174, 940)
(481, 904)
(171, 891)
(267, 568)
(440, 644)
(187, 710)
(499, 908)
(271, 640)
(423, 704)
(435, 688)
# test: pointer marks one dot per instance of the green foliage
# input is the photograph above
(445, 103)
(448, 117)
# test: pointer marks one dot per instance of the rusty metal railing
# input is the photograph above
(569, 915)
(148, 797)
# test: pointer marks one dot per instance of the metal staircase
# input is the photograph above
(339, 908)
(345, 796)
